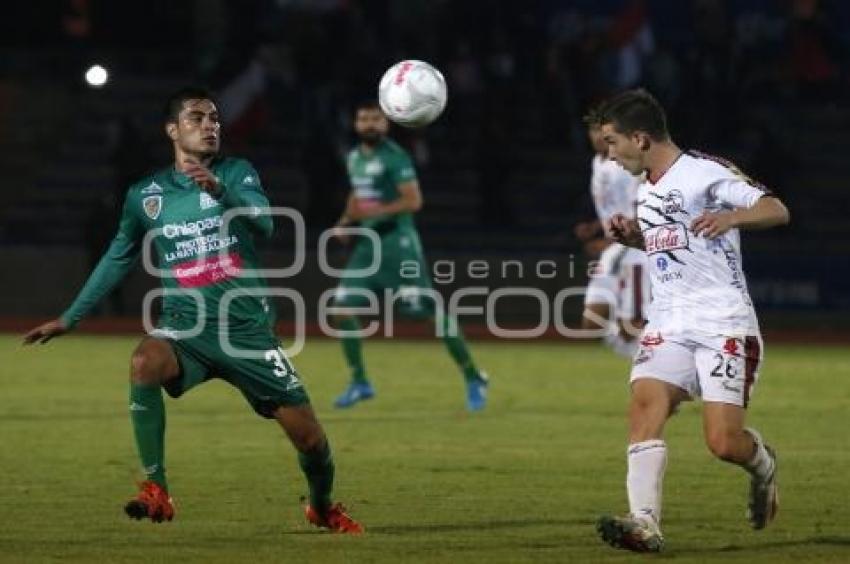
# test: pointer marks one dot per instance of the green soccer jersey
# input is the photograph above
(375, 177)
(198, 261)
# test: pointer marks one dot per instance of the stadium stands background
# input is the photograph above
(504, 171)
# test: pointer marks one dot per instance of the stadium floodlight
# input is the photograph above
(96, 76)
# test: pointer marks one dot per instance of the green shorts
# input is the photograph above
(260, 369)
(402, 270)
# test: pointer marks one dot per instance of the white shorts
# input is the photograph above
(601, 289)
(716, 368)
(621, 280)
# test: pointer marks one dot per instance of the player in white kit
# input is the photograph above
(702, 338)
(619, 284)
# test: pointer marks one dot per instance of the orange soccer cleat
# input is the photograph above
(152, 502)
(335, 519)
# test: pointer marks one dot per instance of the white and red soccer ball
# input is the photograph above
(412, 93)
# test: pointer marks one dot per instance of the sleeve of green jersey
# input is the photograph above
(242, 189)
(113, 266)
(402, 169)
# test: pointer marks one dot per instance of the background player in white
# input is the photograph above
(619, 284)
(702, 338)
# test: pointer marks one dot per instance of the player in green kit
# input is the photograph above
(384, 196)
(200, 217)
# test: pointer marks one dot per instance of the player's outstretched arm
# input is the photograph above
(45, 332)
(767, 212)
(117, 261)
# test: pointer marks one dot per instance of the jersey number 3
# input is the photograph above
(282, 367)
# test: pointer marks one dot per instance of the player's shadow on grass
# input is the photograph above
(456, 527)
(473, 526)
(821, 540)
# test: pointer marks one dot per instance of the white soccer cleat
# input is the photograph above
(764, 492)
(638, 534)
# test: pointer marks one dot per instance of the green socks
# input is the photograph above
(453, 338)
(147, 413)
(318, 468)
(351, 347)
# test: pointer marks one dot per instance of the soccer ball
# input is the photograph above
(412, 93)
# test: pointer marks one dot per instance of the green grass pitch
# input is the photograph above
(523, 481)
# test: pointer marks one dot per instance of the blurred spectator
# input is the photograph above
(323, 165)
(575, 71)
(76, 20)
(709, 78)
(494, 156)
(243, 104)
(814, 51)
(130, 156)
(500, 66)
(212, 26)
(466, 82)
(633, 41)
(130, 159)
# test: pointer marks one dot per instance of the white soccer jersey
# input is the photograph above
(613, 188)
(698, 284)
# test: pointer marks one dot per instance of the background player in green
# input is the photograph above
(183, 207)
(384, 196)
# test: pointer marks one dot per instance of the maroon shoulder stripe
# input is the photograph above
(732, 167)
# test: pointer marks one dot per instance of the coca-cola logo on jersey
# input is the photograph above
(667, 237)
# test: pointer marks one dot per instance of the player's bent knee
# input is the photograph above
(152, 363)
(311, 442)
(145, 370)
(643, 405)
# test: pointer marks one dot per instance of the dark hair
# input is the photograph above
(635, 110)
(368, 104)
(592, 118)
(175, 102)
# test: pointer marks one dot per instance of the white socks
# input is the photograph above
(621, 346)
(761, 464)
(647, 461)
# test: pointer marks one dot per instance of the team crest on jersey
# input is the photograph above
(731, 346)
(152, 188)
(207, 201)
(673, 202)
(152, 206)
(374, 167)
